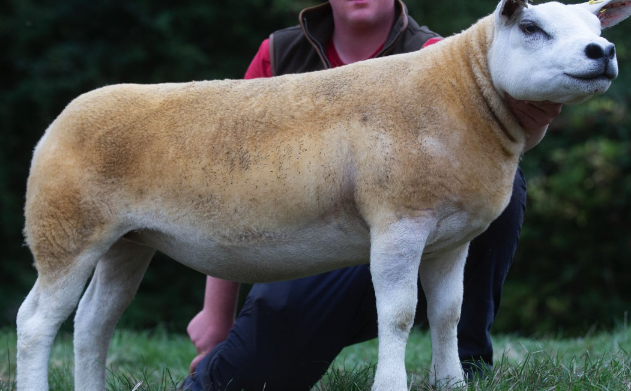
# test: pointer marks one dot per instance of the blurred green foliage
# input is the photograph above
(572, 268)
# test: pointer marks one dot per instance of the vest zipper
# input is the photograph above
(319, 49)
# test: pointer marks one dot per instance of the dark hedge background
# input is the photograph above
(572, 271)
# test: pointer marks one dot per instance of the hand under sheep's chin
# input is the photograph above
(534, 117)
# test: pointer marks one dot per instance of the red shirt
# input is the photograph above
(261, 65)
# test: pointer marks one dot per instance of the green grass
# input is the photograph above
(156, 360)
(594, 362)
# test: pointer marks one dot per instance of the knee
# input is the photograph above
(227, 370)
(445, 312)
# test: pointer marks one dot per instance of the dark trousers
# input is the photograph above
(288, 332)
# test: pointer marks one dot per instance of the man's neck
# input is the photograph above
(357, 43)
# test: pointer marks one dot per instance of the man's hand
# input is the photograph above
(534, 117)
(206, 332)
(213, 323)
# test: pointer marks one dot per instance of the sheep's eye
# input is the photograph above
(529, 28)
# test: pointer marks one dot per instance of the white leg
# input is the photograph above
(49, 303)
(394, 263)
(112, 288)
(442, 280)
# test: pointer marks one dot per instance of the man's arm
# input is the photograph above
(213, 323)
(261, 63)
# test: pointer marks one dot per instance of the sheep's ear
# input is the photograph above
(610, 12)
(508, 9)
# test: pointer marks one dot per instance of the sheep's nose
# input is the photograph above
(596, 52)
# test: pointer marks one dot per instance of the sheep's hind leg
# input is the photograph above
(50, 301)
(112, 288)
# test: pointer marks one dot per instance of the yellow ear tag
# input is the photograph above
(596, 2)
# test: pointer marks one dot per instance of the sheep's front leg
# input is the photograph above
(442, 280)
(394, 263)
